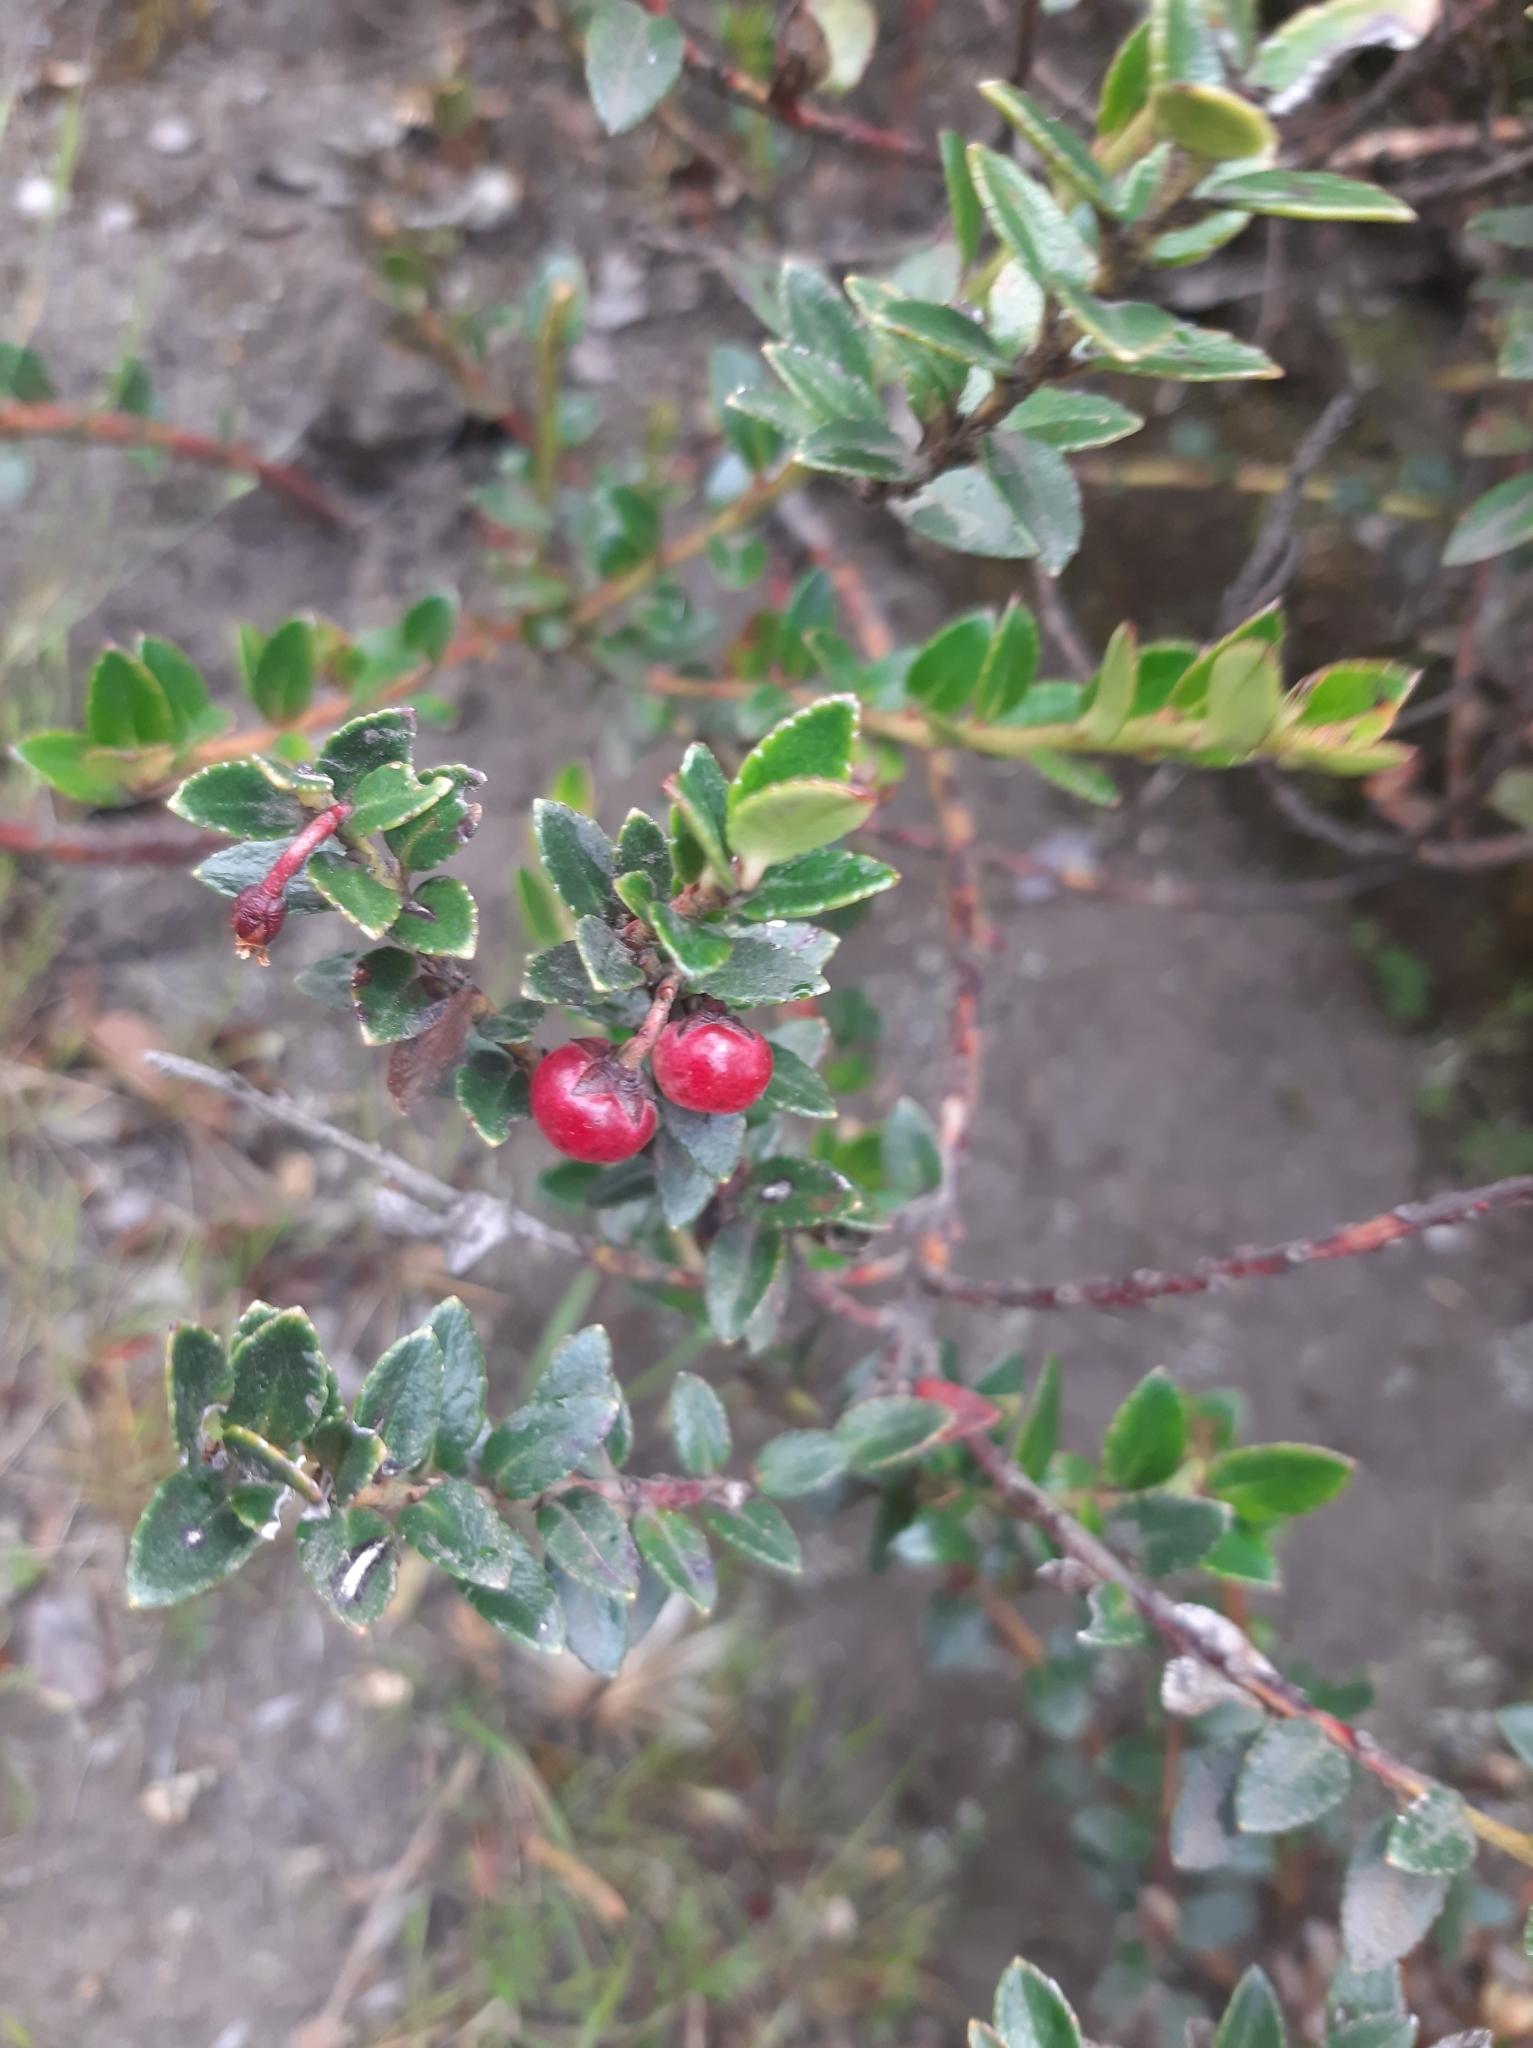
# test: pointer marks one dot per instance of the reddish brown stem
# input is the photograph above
(1133, 1290)
(722, 77)
(637, 1050)
(105, 846)
(129, 430)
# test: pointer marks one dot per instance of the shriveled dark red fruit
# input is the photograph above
(257, 917)
(588, 1106)
(711, 1063)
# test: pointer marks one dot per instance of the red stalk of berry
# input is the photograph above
(260, 907)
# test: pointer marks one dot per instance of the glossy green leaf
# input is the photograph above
(1116, 683)
(782, 966)
(576, 855)
(698, 949)
(677, 1553)
(494, 1092)
(460, 1421)
(817, 319)
(817, 741)
(586, 1537)
(1040, 1432)
(804, 1461)
(187, 1539)
(348, 1557)
(1031, 2011)
(796, 1089)
(197, 1376)
(282, 681)
(740, 1266)
(1071, 420)
(1039, 487)
(1265, 1481)
(890, 1431)
(1493, 525)
(391, 795)
(1292, 1775)
(1179, 246)
(633, 58)
(194, 716)
(962, 199)
(682, 1186)
(1303, 195)
(826, 879)
(701, 795)
(1169, 1532)
(1200, 355)
(607, 961)
(1210, 121)
(794, 1193)
(1253, 2018)
(698, 1425)
(1061, 148)
(1124, 330)
(370, 904)
(944, 330)
(1010, 664)
(454, 1527)
(1147, 1438)
(239, 797)
(854, 447)
(1246, 1555)
(760, 1532)
(401, 1398)
(1028, 220)
(527, 1610)
(1126, 88)
(372, 741)
(642, 849)
(559, 976)
(1183, 45)
(537, 1446)
(1432, 1837)
(946, 672)
(963, 510)
(279, 1379)
(441, 919)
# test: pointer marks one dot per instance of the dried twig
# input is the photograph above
(1213, 1643)
(1133, 1290)
(132, 430)
(1458, 183)
(1268, 569)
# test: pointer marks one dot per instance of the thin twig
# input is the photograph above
(1213, 1642)
(1411, 65)
(1027, 39)
(131, 430)
(942, 1224)
(111, 846)
(1461, 182)
(1268, 569)
(1133, 1290)
(1409, 145)
(1060, 623)
(724, 78)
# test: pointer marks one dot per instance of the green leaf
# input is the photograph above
(390, 999)
(1062, 150)
(701, 794)
(854, 447)
(1170, 1531)
(1116, 683)
(1291, 1776)
(740, 1266)
(194, 716)
(279, 1379)
(125, 706)
(758, 1531)
(1027, 219)
(963, 510)
(1071, 420)
(1014, 308)
(817, 741)
(1010, 664)
(391, 795)
(760, 971)
(684, 1189)
(1516, 1725)
(698, 1425)
(586, 1537)
(514, 1024)
(460, 1422)
(1244, 1555)
(828, 393)
(348, 1557)
(258, 1504)
(198, 1375)
(1263, 1482)
(559, 976)
(803, 1461)
(946, 672)
(1040, 1433)
(493, 1092)
(1253, 2018)
(1303, 195)
(890, 1431)
(441, 919)
(633, 58)
(1512, 226)
(576, 855)
(24, 375)
(794, 1194)
(791, 818)
(796, 1089)
(1182, 44)
(68, 763)
(1126, 330)
(454, 1527)
(528, 1610)
(355, 891)
(713, 1141)
(1115, 1621)
(1245, 690)
(537, 1446)
(1385, 1911)
(1126, 88)
(1031, 2011)
(732, 370)
(1201, 355)
(401, 1398)
(677, 1553)
(1432, 1837)
(817, 319)
(607, 961)
(187, 1539)
(355, 749)
(944, 330)
(1078, 778)
(1192, 244)
(427, 627)
(1147, 1438)
(962, 199)
(1210, 121)
(826, 879)
(770, 412)
(908, 1152)
(698, 949)
(358, 1462)
(581, 1364)
(1493, 525)
(240, 797)
(1294, 62)
(282, 681)
(642, 849)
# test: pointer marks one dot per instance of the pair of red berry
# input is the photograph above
(592, 1107)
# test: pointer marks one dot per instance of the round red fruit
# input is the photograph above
(714, 1064)
(588, 1106)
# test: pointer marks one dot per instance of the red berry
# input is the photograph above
(588, 1106)
(257, 917)
(711, 1063)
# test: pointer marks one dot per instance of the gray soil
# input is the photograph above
(1159, 1085)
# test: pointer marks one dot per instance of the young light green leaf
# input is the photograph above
(1010, 664)
(576, 855)
(1126, 88)
(1292, 1775)
(197, 1376)
(67, 762)
(454, 1527)
(1147, 1438)
(1031, 2011)
(1061, 148)
(1075, 776)
(1028, 220)
(633, 58)
(962, 199)
(817, 741)
(1303, 195)
(787, 819)
(698, 1423)
(823, 880)
(1116, 682)
(282, 681)
(401, 1398)
(193, 714)
(1071, 420)
(804, 1461)
(1183, 45)
(1263, 1482)
(280, 1378)
(1040, 1432)
(125, 706)
(1493, 525)
(946, 672)
(676, 1551)
(1432, 1837)
(1253, 2018)
(1209, 121)
(369, 903)
(349, 1558)
(1245, 690)
(187, 1539)
(758, 1531)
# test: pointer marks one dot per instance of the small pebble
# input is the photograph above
(172, 135)
(36, 198)
(489, 199)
